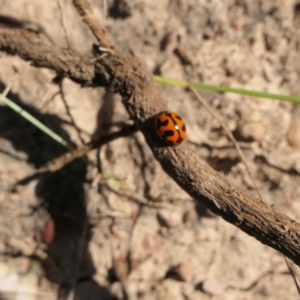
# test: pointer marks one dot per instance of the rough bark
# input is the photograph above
(124, 74)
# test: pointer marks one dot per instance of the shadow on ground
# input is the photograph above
(62, 194)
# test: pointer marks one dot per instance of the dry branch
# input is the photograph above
(124, 74)
(64, 159)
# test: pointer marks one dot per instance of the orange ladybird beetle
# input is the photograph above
(171, 128)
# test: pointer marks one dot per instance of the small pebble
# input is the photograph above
(184, 271)
(212, 287)
(170, 218)
(252, 131)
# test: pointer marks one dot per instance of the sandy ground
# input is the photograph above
(73, 232)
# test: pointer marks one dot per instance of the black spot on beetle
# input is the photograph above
(162, 123)
(168, 133)
(180, 139)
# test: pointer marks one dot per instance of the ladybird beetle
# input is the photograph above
(171, 128)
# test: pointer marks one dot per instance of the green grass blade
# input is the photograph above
(225, 89)
(19, 110)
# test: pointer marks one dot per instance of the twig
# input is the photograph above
(66, 158)
(64, 100)
(124, 74)
(8, 88)
(292, 273)
(238, 148)
(104, 9)
(256, 281)
(230, 135)
(85, 10)
(126, 192)
(63, 23)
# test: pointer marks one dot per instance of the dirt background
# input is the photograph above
(75, 232)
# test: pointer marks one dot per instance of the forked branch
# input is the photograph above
(124, 74)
